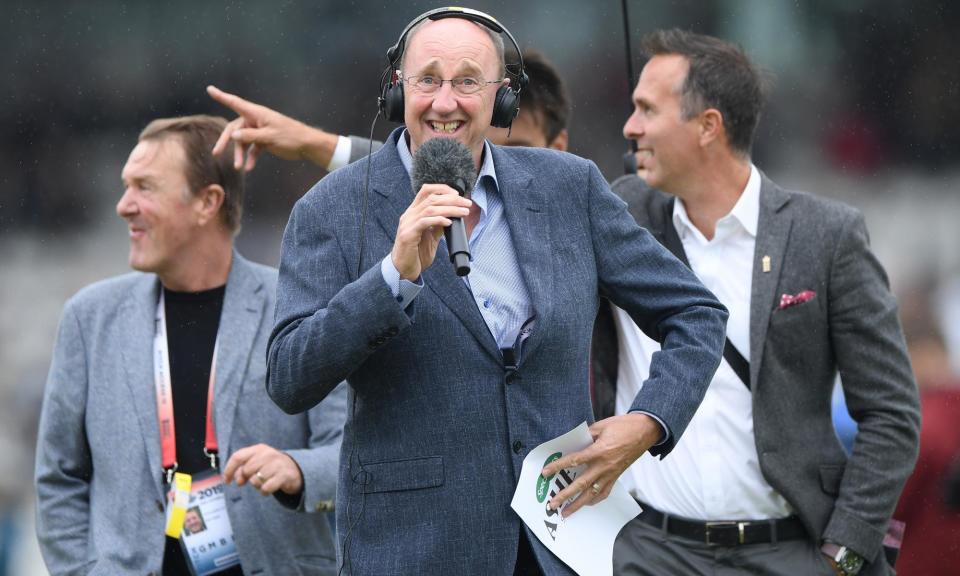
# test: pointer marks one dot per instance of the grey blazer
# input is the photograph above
(100, 506)
(851, 326)
(438, 428)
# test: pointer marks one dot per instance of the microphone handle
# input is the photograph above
(457, 246)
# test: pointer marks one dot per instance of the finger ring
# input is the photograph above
(595, 488)
(260, 476)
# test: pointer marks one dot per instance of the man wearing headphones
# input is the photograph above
(541, 122)
(444, 401)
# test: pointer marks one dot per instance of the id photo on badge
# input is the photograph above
(193, 521)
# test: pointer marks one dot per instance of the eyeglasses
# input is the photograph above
(463, 85)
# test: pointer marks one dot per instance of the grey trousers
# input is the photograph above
(641, 549)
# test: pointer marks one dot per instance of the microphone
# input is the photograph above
(447, 161)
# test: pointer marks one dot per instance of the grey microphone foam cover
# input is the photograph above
(444, 161)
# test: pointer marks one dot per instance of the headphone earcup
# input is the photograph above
(391, 102)
(505, 107)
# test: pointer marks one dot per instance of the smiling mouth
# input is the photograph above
(446, 127)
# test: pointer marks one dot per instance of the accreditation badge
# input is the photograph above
(207, 537)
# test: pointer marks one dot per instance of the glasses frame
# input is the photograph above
(411, 81)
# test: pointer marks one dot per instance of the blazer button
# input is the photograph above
(380, 340)
(517, 447)
(510, 377)
(393, 331)
(372, 344)
(159, 506)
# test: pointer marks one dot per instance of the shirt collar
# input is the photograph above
(486, 167)
(746, 211)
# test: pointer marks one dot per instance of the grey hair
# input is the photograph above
(495, 38)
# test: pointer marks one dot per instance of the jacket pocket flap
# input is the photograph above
(411, 474)
(830, 477)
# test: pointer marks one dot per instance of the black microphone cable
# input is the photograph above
(345, 549)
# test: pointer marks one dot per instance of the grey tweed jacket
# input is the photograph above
(850, 326)
(100, 496)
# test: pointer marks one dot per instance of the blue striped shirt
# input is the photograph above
(495, 278)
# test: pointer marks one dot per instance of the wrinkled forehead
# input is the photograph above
(155, 157)
(450, 42)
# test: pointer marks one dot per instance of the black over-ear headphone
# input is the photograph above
(507, 102)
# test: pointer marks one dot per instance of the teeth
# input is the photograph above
(644, 153)
(448, 127)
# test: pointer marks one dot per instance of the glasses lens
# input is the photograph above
(466, 84)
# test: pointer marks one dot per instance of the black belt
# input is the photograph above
(725, 533)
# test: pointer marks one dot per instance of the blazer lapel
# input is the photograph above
(773, 233)
(391, 182)
(244, 307)
(525, 208)
(134, 338)
(392, 186)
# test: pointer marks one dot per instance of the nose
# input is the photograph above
(633, 127)
(445, 100)
(126, 207)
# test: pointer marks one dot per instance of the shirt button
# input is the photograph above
(517, 447)
(486, 303)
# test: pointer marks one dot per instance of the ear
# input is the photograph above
(560, 142)
(208, 202)
(711, 126)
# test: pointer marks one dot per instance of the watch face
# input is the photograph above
(850, 563)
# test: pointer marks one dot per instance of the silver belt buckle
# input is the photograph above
(740, 531)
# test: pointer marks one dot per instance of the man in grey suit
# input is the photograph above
(453, 380)
(759, 483)
(159, 375)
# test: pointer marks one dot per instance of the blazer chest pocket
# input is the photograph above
(397, 475)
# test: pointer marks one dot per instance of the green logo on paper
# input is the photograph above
(544, 483)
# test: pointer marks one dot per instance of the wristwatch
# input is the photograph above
(848, 561)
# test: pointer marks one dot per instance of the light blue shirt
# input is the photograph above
(495, 278)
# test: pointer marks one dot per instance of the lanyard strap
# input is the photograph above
(164, 386)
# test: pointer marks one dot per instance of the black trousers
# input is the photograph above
(526, 562)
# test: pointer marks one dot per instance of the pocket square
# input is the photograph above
(788, 300)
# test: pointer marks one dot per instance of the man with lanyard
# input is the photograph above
(158, 378)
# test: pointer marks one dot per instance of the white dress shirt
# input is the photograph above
(713, 473)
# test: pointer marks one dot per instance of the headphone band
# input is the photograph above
(395, 52)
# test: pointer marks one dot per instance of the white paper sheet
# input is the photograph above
(584, 541)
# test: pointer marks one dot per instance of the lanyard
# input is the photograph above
(161, 377)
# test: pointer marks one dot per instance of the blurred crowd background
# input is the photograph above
(864, 106)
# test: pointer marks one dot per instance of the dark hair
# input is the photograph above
(198, 134)
(545, 95)
(720, 76)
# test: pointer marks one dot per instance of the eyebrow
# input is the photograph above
(464, 68)
(149, 179)
(641, 101)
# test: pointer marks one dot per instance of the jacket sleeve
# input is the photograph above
(360, 147)
(880, 391)
(326, 322)
(319, 461)
(64, 466)
(667, 302)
